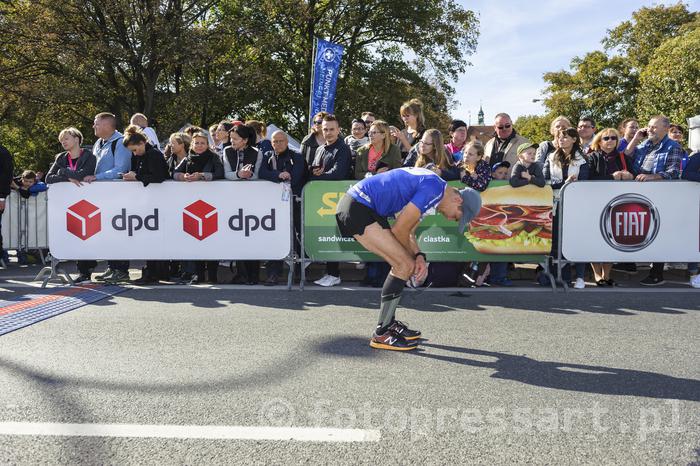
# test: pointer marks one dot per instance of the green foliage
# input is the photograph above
(598, 86)
(534, 127)
(199, 61)
(637, 39)
(669, 84)
(606, 86)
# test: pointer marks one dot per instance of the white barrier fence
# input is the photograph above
(24, 222)
(629, 221)
(171, 220)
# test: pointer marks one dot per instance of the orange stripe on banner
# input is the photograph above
(23, 305)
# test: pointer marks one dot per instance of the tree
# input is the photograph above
(599, 87)
(637, 39)
(669, 83)
(199, 61)
(605, 84)
(279, 39)
(534, 127)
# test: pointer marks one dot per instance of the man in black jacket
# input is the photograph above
(6, 169)
(284, 165)
(331, 162)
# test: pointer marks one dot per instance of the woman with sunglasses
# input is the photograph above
(379, 155)
(314, 139)
(606, 162)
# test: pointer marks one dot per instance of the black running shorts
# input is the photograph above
(353, 217)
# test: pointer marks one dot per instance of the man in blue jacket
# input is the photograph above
(113, 160)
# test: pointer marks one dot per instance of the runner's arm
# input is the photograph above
(405, 226)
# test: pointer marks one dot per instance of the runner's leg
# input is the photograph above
(382, 242)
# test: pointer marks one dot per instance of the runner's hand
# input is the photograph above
(420, 270)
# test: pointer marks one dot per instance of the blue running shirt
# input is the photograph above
(389, 192)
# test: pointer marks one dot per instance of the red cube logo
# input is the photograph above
(200, 220)
(83, 219)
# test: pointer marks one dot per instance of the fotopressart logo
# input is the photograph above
(200, 220)
(83, 219)
(629, 223)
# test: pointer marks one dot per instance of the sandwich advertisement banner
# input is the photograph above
(172, 220)
(503, 231)
(629, 221)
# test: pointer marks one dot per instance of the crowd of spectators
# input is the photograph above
(240, 151)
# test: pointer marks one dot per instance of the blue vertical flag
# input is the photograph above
(326, 68)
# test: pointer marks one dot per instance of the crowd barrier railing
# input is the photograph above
(24, 223)
(220, 220)
(628, 221)
(436, 236)
(599, 221)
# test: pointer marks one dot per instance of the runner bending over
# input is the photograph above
(362, 214)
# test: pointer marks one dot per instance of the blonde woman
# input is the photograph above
(414, 122)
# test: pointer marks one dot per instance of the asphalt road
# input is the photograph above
(541, 378)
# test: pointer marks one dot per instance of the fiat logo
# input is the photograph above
(629, 223)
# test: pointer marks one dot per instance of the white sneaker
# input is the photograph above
(322, 280)
(332, 281)
(695, 281)
(579, 284)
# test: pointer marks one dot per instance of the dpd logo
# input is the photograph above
(83, 219)
(200, 220)
(629, 223)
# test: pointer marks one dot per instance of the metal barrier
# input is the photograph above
(436, 235)
(25, 223)
(628, 221)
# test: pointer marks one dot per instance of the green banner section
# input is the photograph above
(436, 235)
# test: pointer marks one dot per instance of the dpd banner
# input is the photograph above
(171, 220)
(326, 68)
(436, 235)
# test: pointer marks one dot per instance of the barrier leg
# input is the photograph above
(54, 272)
(548, 274)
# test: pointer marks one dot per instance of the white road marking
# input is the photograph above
(301, 434)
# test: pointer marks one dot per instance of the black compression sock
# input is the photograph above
(391, 294)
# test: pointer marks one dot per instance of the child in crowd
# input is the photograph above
(475, 171)
(497, 272)
(527, 170)
(499, 171)
(140, 120)
(28, 185)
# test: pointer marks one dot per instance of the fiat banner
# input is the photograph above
(172, 220)
(629, 221)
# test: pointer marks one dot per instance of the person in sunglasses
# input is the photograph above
(314, 139)
(503, 146)
(606, 162)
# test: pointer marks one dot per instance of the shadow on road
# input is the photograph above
(573, 377)
(611, 304)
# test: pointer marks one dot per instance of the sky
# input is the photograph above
(521, 40)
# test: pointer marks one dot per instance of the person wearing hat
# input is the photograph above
(408, 194)
(499, 171)
(527, 170)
